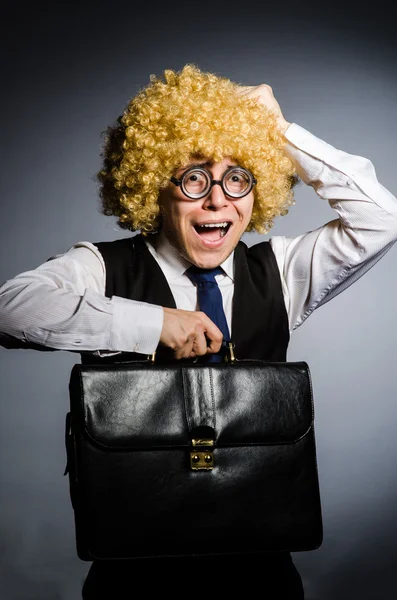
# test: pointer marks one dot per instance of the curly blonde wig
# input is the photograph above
(189, 113)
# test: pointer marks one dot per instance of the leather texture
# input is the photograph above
(128, 443)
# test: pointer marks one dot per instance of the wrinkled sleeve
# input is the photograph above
(61, 305)
(320, 264)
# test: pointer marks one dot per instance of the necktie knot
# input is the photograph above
(203, 276)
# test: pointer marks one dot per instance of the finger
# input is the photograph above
(200, 344)
(244, 89)
(249, 92)
(214, 347)
(186, 351)
(213, 335)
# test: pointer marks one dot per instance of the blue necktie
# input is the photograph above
(210, 301)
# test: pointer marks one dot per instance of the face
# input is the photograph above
(204, 231)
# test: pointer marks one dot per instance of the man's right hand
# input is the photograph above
(190, 333)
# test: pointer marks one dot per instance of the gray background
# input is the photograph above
(69, 72)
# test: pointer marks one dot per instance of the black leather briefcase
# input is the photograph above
(192, 459)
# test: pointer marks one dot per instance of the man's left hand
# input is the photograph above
(263, 93)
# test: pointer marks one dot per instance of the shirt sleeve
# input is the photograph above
(320, 264)
(61, 305)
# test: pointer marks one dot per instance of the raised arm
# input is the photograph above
(318, 265)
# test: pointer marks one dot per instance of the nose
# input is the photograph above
(216, 198)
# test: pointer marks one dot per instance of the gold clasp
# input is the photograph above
(231, 356)
(202, 456)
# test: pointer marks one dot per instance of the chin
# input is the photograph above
(209, 260)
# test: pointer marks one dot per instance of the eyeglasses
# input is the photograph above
(197, 182)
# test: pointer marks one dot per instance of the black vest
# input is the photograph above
(259, 318)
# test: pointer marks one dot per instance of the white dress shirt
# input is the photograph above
(61, 304)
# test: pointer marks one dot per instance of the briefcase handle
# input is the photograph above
(227, 346)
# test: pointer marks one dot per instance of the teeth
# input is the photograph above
(214, 224)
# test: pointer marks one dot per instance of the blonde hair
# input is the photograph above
(188, 113)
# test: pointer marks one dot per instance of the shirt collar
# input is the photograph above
(173, 264)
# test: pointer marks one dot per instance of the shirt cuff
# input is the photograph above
(136, 326)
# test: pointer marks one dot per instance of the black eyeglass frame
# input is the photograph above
(212, 182)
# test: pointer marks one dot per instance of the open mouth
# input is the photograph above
(212, 232)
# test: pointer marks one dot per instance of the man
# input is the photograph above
(194, 162)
